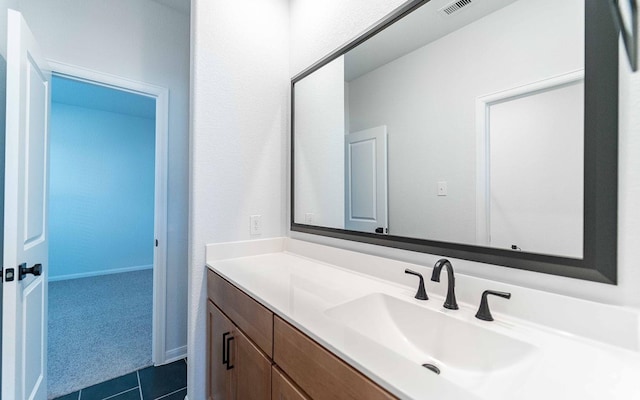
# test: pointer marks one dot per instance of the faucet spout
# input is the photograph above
(450, 302)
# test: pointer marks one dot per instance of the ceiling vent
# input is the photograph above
(455, 6)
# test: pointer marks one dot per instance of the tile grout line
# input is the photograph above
(169, 394)
(118, 394)
(139, 387)
(139, 384)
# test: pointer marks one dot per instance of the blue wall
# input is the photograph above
(101, 196)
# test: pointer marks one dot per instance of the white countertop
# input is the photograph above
(300, 290)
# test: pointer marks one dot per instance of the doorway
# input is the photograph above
(107, 220)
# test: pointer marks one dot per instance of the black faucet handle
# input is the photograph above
(422, 293)
(483, 311)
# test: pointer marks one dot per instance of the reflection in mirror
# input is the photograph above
(460, 124)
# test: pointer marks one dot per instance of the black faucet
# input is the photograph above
(450, 301)
(483, 311)
(422, 293)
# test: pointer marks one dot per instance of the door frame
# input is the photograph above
(161, 95)
(483, 141)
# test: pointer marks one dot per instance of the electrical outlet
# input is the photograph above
(256, 225)
(308, 218)
(442, 188)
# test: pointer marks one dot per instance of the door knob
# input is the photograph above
(36, 270)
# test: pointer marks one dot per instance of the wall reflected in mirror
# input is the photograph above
(459, 123)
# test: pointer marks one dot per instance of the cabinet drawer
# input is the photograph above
(283, 389)
(318, 372)
(252, 318)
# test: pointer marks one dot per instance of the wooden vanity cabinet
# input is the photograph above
(219, 379)
(253, 370)
(317, 371)
(284, 389)
(247, 314)
(254, 355)
(239, 344)
(237, 368)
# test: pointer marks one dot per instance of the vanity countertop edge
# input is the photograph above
(263, 270)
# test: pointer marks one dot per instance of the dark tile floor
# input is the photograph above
(166, 382)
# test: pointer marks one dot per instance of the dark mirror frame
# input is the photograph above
(599, 262)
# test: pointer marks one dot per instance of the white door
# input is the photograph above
(366, 181)
(536, 171)
(25, 220)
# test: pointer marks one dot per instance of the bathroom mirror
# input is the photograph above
(478, 129)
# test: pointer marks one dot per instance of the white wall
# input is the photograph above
(239, 105)
(316, 34)
(320, 27)
(319, 146)
(427, 100)
(143, 41)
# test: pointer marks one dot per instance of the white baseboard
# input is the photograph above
(99, 273)
(175, 354)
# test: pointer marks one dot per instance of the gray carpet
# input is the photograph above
(99, 329)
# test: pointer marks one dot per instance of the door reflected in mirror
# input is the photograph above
(454, 124)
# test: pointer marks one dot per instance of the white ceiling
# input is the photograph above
(421, 27)
(182, 6)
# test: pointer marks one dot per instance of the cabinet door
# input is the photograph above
(251, 368)
(219, 331)
(283, 389)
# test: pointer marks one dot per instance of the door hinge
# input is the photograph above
(156, 242)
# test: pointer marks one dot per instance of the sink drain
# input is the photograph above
(432, 368)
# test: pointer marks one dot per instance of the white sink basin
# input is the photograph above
(461, 350)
